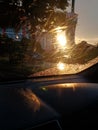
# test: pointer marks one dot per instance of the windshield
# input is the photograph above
(44, 38)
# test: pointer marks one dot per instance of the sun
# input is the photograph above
(61, 38)
(61, 66)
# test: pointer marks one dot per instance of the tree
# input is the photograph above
(39, 11)
(40, 15)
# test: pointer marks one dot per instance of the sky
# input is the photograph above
(87, 26)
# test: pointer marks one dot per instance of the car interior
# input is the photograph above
(57, 102)
(48, 64)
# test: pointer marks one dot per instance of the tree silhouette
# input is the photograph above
(37, 12)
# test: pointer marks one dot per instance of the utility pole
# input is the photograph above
(73, 6)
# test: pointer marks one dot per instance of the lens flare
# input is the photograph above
(61, 38)
(61, 66)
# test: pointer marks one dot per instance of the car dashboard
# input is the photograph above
(52, 102)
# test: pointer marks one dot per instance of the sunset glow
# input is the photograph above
(61, 66)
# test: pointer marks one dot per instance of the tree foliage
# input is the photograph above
(37, 12)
